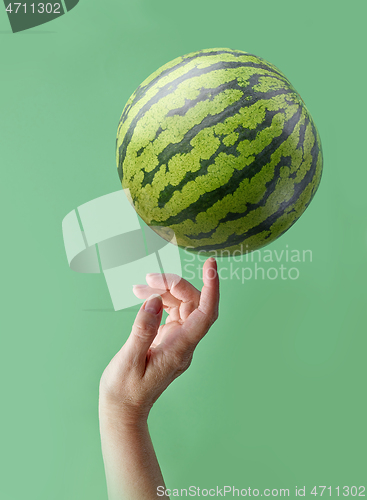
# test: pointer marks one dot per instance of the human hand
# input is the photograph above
(154, 355)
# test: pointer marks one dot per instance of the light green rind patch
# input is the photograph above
(187, 90)
(248, 192)
(179, 72)
(241, 74)
(205, 144)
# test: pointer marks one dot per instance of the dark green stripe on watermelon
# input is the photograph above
(184, 145)
(208, 199)
(141, 91)
(170, 88)
(265, 225)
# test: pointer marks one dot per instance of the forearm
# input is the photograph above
(131, 465)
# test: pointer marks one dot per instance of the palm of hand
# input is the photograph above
(179, 298)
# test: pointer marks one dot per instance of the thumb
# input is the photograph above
(144, 330)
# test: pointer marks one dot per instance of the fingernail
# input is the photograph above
(153, 304)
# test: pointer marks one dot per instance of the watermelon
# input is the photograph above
(218, 149)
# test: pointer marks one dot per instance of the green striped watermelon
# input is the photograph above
(219, 148)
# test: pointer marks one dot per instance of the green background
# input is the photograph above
(276, 394)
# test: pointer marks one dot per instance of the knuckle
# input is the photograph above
(215, 316)
(144, 330)
(183, 366)
(212, 318)
(175, 280)
(207, 322)
(182, 361)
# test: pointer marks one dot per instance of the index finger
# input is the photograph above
(200, 320)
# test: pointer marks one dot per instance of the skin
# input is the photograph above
(152, 357)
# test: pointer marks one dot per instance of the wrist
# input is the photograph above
(122, 414)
